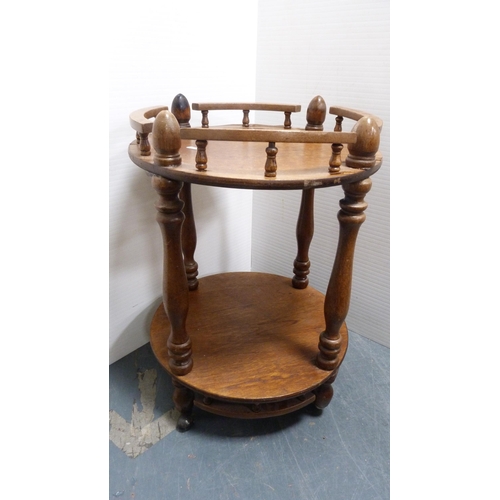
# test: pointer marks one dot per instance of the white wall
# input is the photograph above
(218, 51)
(158, 50)
(339, 50)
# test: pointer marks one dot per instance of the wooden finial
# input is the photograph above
(181, 110)
(316, 113)
(166, 139)
(362, 152)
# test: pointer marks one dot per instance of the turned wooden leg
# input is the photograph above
(189, 237)
(305, 231)
(338, 294)
(175, 286)
(183, 401)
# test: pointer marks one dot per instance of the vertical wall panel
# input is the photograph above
(158, 50)
(339, 50)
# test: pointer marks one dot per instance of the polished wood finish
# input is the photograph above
(175, 285)
(241, 165)
(354, 114)
(248, 347)
(363, 139)
(271, 165)
(255, 410)
(246, 107)
(253, 106)
(254, 340)
(336, 159)
(268, 133)
(324, 393)
(304, 233)
(181, 110)
(144, 146)
(338, 294)
(362, 154)
(141, 120)
(189, 237)
(201, 155)
(316, 113)
(166, 140)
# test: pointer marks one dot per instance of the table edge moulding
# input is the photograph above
(248, 344)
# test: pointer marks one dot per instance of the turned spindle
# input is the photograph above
(350, 216)
(166, 140)
(201, 155)
(246, 119)
(204, 118)
(316, 114)
(335, 159)
(189, 237)
(288, 120)
(304, 233)
(362, 152)
(271, 165)
(181, 110)
(144, 146)
(170, 218)
(338, 124)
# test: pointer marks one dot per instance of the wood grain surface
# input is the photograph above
(241, 165)
(254, 338)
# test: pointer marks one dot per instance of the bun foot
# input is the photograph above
(313, 410)
(183, 401)
(324, 393)
(323, 397)
(184, 423)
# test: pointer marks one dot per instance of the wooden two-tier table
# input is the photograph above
(247, 344)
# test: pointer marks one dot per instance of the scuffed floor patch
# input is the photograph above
(137, 436)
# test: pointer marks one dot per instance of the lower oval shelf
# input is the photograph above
(254, 340)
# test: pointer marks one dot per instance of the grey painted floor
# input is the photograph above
(341, 454)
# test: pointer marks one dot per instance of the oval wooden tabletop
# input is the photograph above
(241, 165)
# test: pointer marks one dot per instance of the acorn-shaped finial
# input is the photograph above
(362, 152)
(166, 139)
(316, 113)
(181, 110)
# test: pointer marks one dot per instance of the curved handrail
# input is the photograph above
(354, 114)
(265, 134)
(251, 106)
(362, 142)
(140, 120)
(246, 107)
